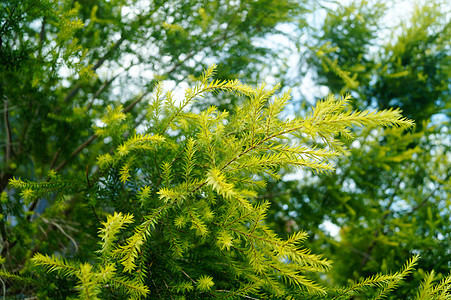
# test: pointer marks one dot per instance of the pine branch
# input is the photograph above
(88, 287)
(398, 277)
(205, 86)
(129, 251)
(385, 282)
(54, 264)
(132, 287)
(443, 288)
(439, 291)
(111, 227)
(8, 275)
(207, 195)
(425, 291)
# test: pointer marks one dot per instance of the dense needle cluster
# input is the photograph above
(186, 220)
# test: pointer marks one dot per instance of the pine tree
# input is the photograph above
(104, 195)
(186, 222)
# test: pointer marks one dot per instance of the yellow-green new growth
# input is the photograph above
(111, 228)
(438, 291)
(205, 283)
(200, 192)
(386, 283)
(139, 142)
(91, 280)
(331, 117)
(112, 121)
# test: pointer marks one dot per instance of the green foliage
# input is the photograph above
(202, 204)
(352, 56)
(379, 227)
(113, 188)
(418, 57)
(342, 55)
(91, 281)
(389, 197)
(62, 64)
(439, 290)
(386, 283)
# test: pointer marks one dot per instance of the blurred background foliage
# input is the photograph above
(63, 62)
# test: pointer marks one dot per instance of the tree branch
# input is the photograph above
(425, 200)
(8, 145)
(76, 151)
(100, 90)
(131, 105)
(5, 175)
(78, 85)
(55, 158)
(194, 52)
(42, 33)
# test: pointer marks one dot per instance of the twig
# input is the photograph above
(62, 231)
(3, 288)
(167, 288)
(87, 176)
(194, 52)
(423, 202)
(95, 214)
(101, 89)
(76, 151)
(42, 33)
(8, 146)
(131, 105)
(42, 36)
(72, 92)
(55, 158)
(184, 273)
